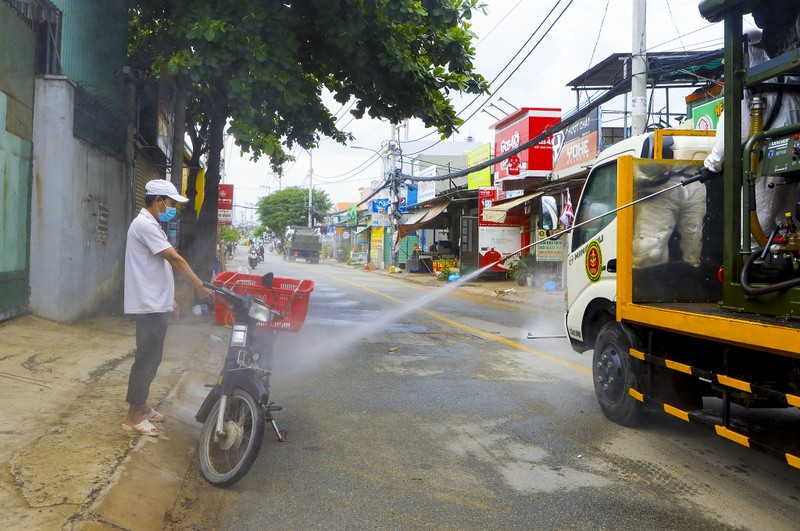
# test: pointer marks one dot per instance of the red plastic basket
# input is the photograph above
(291, 298)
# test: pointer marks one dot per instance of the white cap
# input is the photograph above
(164, 188)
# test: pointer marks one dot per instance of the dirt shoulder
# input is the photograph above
(64, 398)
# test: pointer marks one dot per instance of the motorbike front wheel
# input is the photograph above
(226, 459)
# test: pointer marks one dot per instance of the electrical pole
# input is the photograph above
(394, 199)
(310, 189)
(639, 69)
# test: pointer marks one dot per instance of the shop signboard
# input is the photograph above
(426, 190)
(376, 246)
(225, 205)
(380, 206)
(549, 250)
(706, 116)
(352, 215)
(496, 239)
(482, 177)
(576, 145)
(516, 129)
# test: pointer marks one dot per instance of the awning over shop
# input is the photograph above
(497, 213)
(422, 217)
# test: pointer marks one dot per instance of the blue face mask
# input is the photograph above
(167, 215)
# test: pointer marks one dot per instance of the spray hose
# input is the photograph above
(756, 127)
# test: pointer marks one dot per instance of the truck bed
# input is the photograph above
(708, 321)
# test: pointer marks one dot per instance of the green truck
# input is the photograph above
(302, 242)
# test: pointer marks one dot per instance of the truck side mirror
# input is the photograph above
(549, 214)
(267, 280)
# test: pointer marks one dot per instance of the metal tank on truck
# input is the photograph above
(303, 243)
(688, 292)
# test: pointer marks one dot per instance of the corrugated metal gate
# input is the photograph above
(15, 178)
(146, 170)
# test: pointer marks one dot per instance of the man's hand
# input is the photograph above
(707, 175)
(176, 309)
(203, 293)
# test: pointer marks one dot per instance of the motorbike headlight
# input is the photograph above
(239, 336)
(259, 312)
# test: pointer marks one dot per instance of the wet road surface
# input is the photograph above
(445, 417)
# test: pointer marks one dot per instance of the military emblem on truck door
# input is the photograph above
(594, 261)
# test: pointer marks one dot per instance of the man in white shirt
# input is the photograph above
(149, 296)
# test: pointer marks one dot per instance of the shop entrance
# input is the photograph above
(469, 245)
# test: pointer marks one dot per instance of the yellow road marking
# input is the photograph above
(475, 331)
(793, 460)
(793, 400)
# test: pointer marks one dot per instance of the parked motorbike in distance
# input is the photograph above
(252, 258)
(237, 408)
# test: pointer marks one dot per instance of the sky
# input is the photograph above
(587, 32)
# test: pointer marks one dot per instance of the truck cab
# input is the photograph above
(592, 260)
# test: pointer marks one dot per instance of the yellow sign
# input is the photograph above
(376, 246)
(482, 177)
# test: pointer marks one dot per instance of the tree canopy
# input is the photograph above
(260, 68)
(290, 207)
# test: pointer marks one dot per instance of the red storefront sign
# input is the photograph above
(225, 205)
(516, 129)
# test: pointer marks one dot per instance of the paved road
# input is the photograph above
(411, 407)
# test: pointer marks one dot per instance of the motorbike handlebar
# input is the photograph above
(241, 300)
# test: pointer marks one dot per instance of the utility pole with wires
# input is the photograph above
(310, 189)
(639, 69)
(394, 197)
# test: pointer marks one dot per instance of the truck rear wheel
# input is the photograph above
(612, 371)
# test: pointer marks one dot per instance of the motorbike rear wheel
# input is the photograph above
(227, 459)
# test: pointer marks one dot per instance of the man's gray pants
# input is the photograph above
(151, 329)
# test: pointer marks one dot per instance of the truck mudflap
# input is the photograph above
(719, 425)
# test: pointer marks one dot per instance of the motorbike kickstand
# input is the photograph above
(280, 433)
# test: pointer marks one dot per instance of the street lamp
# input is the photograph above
(380, 156)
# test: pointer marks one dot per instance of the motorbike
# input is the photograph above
(237, 409)
(252, 258)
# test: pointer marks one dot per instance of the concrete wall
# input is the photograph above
(79, 214)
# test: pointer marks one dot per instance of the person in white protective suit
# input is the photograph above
(774, 196)
(681, 209)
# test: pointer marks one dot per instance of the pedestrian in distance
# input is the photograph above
(150, 296)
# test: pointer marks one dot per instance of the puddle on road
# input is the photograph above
(525, 468)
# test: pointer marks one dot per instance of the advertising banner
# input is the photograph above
(576, 145)
(376, 246)
(482, 177)
(352, 215)
(225, 205)
(515, 130)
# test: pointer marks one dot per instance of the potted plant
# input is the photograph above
(522, 269)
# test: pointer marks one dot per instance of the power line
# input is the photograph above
(476, 98)
(552, 25)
